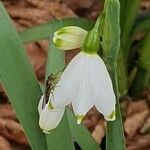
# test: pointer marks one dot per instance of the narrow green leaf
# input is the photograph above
(131, 13)
(144, 56)
(55, 60)
(60, 138)
(115, 129)
(19, 81)
(111, 44)
(111, 29)
(80, 134)
(123, 15)
(142, 77)
(144, 26)
(43, 31)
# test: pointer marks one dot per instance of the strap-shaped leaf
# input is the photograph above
(80, 133)
(43, 31)
(19, 81)
(111, 44)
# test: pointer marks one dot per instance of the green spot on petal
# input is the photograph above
(112, 115)
(58, 42)
(79, 118)
(50, 106)
(47, 132)
(62, 31)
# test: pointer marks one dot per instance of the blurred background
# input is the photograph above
(135, 109)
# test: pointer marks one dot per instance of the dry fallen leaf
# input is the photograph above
(146, 127)
(4, 144)
(140, 142)
(99, 131)
(137, 113)
(12, 130)
(6, 111)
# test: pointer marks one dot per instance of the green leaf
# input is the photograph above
(19, 81)
(80, 134)
(142, 77)
(144, 55)
(60, 138)
(111, 29)
(44, 31)
(55, 60)
(131, 13)
(142, 26)
(110, 45)
(123, 15)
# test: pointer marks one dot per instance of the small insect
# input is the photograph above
(50, 85)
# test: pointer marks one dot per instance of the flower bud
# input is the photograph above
(69, 37)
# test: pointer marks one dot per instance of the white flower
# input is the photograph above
(69, 37)
(85, 82)
(49, 119)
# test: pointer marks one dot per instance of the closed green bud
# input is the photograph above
(69, 37)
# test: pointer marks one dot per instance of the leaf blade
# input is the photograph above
(19, 81)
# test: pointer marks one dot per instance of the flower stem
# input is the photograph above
(115, 128)
(111, 45)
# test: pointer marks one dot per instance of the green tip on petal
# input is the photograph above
(59, 32)
(79, 118)
(47, 132)
(50, 106)
(58, 42)
(111, 116)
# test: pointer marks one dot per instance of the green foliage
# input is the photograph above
(19, 81)
(110, 45)
(23, 89)
(142, 76)
(111, 29)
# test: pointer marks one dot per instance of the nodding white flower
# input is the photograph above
(69, 37)
(49, 119)
(85, 82)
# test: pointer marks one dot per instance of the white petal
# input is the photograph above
(70, 30)
(82, 101)
(49, 119)
(104, 96)
(67, 85)
(40, 104)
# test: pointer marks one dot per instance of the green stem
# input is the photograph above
(111, 45)
(18, 78)
(115, 128)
